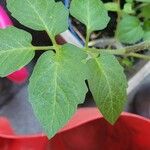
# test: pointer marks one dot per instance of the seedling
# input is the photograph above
(57, 84)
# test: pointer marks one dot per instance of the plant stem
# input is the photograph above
(114, 52)
(138, 47)
(87, 39)
(127, 51)
(139, 56)
(140, 6)
(43, 48)
(55, 45)
(110, 51)
(118, 18)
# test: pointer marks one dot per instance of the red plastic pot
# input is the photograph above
(22, 74)
(10, 141)
(87, 130)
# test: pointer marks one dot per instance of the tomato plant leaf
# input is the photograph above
(40, 14)
(107, 83)
(57, 86)
(146, 36)
(146, 25)
(145, 11)
(129, 1)
(129, 30)
(128, 8)
(112, 6)
(15, 50)
(92, 13)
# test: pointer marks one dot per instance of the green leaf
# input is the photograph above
(40, 14)
(146, 36)
(146, 25)
(126, 63)
(145, 11)
(129, 30)
(129, 1)
(108, 84)
(92, 13)
(128, 8)
(112, 6)
(15, 50)
(57, 86)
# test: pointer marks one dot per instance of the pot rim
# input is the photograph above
(78, 119)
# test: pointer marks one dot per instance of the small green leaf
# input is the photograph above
(128, 8)
(129, 30)
(92, 13)
(57, 86)
(108, 84)
(146, 36)
(126, 63)
(40, 14)
(112, 6)
(146, 25)
(15, 50)
(145, 11)
(129, 1)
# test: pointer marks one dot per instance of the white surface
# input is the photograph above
(67, 36)
(136, 80)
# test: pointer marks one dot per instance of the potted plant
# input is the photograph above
(57, 84)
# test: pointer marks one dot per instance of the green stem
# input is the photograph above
(55, 45)
(54, 42)
(138, 47)
(87, 39)
(139, 56)
(123, 53)
(127, 51)
(110, 51)
(140, 6)
(118, 18)
(43, 48)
